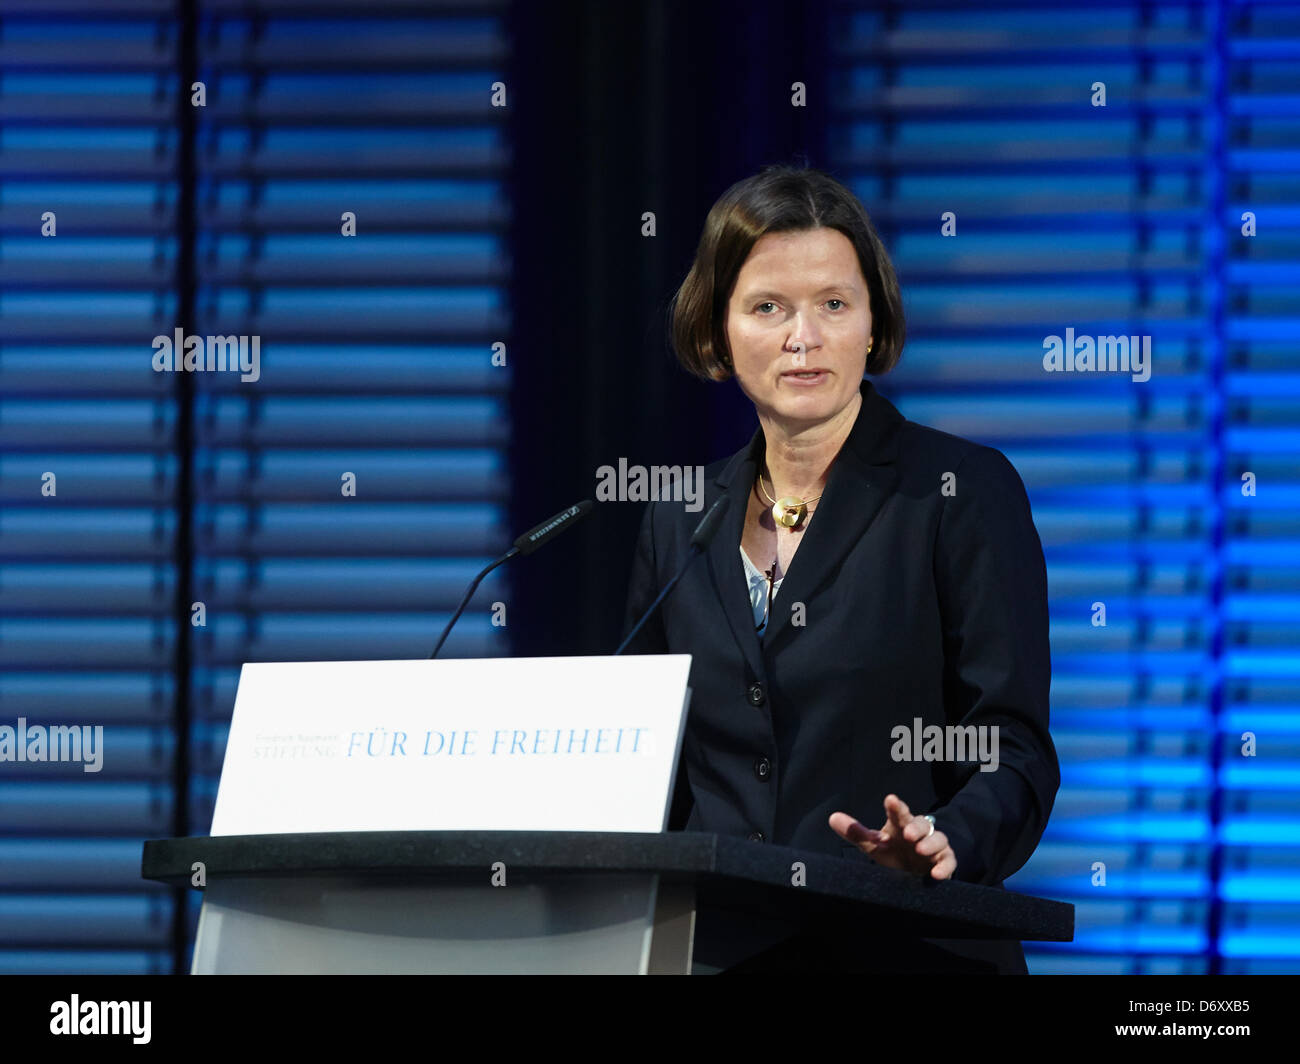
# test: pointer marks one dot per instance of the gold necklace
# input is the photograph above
(788, 510)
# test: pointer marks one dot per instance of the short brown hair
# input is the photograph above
(778, 199)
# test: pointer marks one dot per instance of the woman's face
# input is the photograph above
(798, 324)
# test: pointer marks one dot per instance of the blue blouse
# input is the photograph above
(758, 591)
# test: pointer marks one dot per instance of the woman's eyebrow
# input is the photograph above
(773, 294)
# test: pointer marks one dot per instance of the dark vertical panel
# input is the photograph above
(627, 108)
(1216, 75)
(187, 74)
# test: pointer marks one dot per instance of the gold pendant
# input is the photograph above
(788, 511)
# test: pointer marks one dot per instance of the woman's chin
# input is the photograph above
(812, 405)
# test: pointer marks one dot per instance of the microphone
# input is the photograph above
(525, 544)
(700, 540)
(548, 530)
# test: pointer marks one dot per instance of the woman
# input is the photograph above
(874, 583)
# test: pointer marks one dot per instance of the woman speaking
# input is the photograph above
(869, 627)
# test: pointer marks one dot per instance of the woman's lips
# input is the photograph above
(810, 377)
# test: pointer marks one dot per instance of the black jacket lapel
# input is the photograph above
(726, 571)
(862, 477)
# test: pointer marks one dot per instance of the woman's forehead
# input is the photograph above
(805, 260)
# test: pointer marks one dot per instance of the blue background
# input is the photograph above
(523, 225)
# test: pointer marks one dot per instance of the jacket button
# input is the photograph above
(762, 768)
(756, 836)
(756, 694)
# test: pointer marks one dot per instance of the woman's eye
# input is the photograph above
(769, 303)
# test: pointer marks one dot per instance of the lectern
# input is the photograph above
(570, 902)
(509, 815)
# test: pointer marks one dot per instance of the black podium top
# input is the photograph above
(728, 873)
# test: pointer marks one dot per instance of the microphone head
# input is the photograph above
(711, 522)
(552, 527)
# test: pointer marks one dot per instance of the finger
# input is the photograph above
(932, 845)
(945, 867)
(897, 811)
(852, 830)
(917, 829)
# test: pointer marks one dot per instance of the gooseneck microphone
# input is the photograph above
(700, 540)
(525, 544)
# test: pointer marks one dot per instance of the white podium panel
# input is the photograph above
(329, 925)
(534, 744)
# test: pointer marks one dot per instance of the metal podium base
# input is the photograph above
(336, 925)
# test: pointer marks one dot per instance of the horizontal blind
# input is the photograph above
(1259, 832)
(374, 365)
(88, 480)
(345, 498)
(1120, 220)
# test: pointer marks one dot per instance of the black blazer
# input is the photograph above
(915, 603)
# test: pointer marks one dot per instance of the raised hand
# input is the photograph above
(906, 842)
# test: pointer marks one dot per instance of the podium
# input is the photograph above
(534, 902)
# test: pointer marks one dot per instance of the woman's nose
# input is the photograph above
(805, 334)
